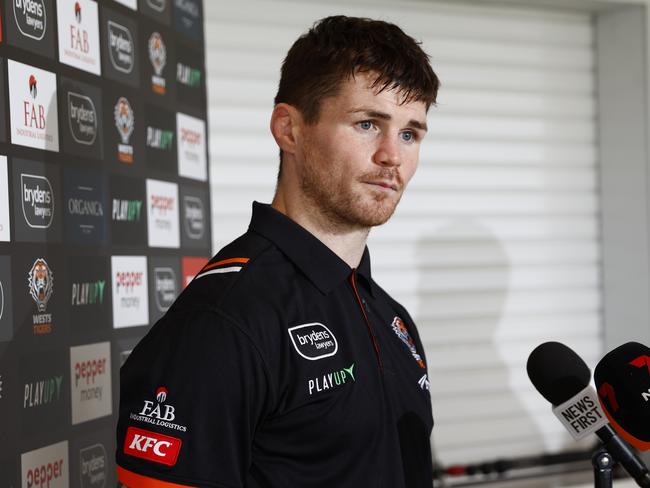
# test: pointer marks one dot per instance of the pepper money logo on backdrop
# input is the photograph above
(33, 107)
(162, 219)
(129, 284)
(46, 467)
(30, 25)
(5, 231)
(90, 377)
(79, 34)
(192, 159)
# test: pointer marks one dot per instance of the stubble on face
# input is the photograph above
(343, 201)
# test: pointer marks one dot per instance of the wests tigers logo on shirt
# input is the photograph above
(402, 332)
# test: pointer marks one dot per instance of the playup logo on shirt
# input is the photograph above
(33, 107)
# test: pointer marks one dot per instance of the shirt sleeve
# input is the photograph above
(192, 394)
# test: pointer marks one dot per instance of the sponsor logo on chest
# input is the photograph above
(313, 341)
(331, 380)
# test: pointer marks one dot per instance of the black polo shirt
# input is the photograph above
(279, 366)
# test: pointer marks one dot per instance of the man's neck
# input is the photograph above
(347, 243)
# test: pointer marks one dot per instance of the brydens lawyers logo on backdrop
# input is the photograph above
(33, 107)
(165, 287)
(90, 377)
(130, 304)
(40, 280)
(82, 118)
(31, 18)
(93, 464)
(158, 58)
(190, 136)
(79, 34)
(46, 467)
(37, 201)
(124, 123)
(193, 217)
(121, 48)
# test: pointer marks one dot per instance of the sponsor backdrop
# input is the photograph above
(104, 215)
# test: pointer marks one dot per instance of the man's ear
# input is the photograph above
(285, 126)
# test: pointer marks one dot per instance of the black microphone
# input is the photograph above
(623, 382)
(562, 377)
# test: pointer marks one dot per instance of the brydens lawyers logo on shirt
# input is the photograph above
(152, 446)
(313, 341)
(46, 467)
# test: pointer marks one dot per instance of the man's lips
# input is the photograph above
(388, 185)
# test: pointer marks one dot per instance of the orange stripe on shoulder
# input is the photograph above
(133, 480)
(226, 261)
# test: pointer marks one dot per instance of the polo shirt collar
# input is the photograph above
(317, 261)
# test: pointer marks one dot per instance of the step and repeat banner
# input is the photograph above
(104, 215)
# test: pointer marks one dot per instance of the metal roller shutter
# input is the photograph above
(495, 247)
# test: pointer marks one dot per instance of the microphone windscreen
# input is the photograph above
(622, 379)
(557, 372)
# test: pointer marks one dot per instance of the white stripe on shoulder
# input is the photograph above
(231, 269)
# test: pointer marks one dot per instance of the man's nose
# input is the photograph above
(387, 154)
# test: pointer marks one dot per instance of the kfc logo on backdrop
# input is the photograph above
(192, 160)
(82, 118)
(124, 120)
(121, 47)
(152, 446)
(79, 34)
(31, 18)
(93, 464)
(162, 223)
(158, 58)
(37, 201)
(90, 376)
(158, 412)
(46, 467)
(33, 107)
(130, 305)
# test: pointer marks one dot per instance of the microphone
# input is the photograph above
(562, 377)
(623, 382)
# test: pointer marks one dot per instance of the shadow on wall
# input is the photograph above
(479, 387)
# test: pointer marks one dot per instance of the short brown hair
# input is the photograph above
(338, 47)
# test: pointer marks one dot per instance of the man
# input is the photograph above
(283, 364)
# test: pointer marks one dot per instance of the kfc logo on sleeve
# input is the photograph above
(33, 107)
(5, 229)
(90, 377)
(129, 280)
(192, 159)
(162, 222)
(79, 34)
(152, 446)
(46, 467)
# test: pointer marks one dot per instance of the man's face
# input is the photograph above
(356, 160)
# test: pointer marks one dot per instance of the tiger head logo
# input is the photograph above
(41, 283)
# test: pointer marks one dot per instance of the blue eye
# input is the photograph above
(408, 136)
(365, 125)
